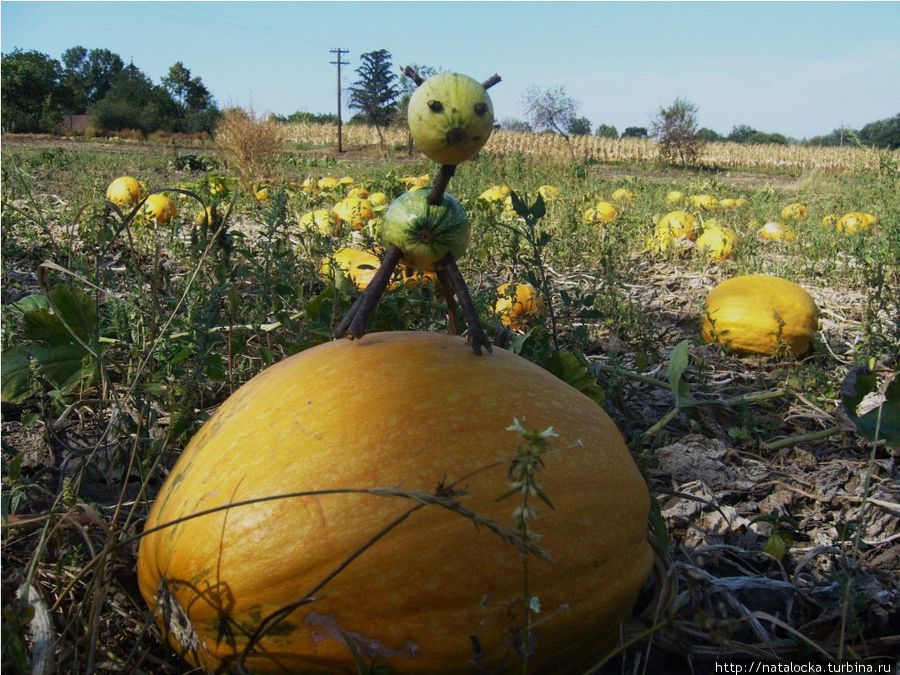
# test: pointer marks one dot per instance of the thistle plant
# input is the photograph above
(523, 470)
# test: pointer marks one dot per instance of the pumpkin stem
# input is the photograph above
(354, 324)
(436, 196)
(412, 74)
(477, 338)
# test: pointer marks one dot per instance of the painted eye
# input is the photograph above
(480, 108)
(435, 106)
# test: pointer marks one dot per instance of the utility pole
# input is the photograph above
(339, 52)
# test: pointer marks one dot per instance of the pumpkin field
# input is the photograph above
(734, 502)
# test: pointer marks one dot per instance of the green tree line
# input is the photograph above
(38, 92)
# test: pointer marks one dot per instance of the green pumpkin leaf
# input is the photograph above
(77, 309)
(539, 208)
(64, 365)
(31, 303)
(43, 326)
(519, 206)
(678, 363)
(882, 422)
(573, 371)
(15, 374)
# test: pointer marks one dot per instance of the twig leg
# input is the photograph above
(341, 329)
(364, 307)
(446, 288)
(477, 338)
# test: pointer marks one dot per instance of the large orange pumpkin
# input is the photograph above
(405, 411)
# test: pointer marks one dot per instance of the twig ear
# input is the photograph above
(491, 81)
(413, 75)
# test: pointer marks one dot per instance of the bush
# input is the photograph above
(678, 134)
(250, 144)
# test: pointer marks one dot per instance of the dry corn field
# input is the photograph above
(592, 148)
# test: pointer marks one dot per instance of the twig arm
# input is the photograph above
(412, 74)
(491, 81)
(354, 324)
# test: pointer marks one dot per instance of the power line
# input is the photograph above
(339, 52)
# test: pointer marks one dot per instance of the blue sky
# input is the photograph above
(801, 69)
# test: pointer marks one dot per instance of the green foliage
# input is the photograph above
(676, 130)
(882, 133)
(89, 75)
(635, 132)
(61, 348)
(746, 134)
(375, 93)
(883, 421)
(197, 110)
(607, 131)
(134, 102)
(34, 97)
(579, 126)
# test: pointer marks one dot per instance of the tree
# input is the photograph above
(741, 133)
(635, 132)
(134, 102)
(374, 94)
(709, 135)
(89, 74)
(513, 124)
(549, 108)
(579, 126)
(197, 109)
(676, 130)
(34, 97)
(882, 133)
(606, 131)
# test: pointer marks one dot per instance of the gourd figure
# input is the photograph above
(450, 118)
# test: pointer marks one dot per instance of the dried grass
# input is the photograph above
(250, 144)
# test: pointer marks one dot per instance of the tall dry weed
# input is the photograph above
(250, 144)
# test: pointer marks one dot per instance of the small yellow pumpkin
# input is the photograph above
(601, 213)
(518, 305)
(359, 266)
(548, 192)
(328, 183)
(125, 192)
(760, 314)
(354, 211)
(674, 197)
(623, 196)
(717, 243)
(773, 231)
(853, 222)
(495, 193)
(160, 209)
(796, 212)
(704, 202)
(323, 220)
(678, 224)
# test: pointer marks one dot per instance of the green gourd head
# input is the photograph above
(450, 117)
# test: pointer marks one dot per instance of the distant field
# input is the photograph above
(791, 158)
